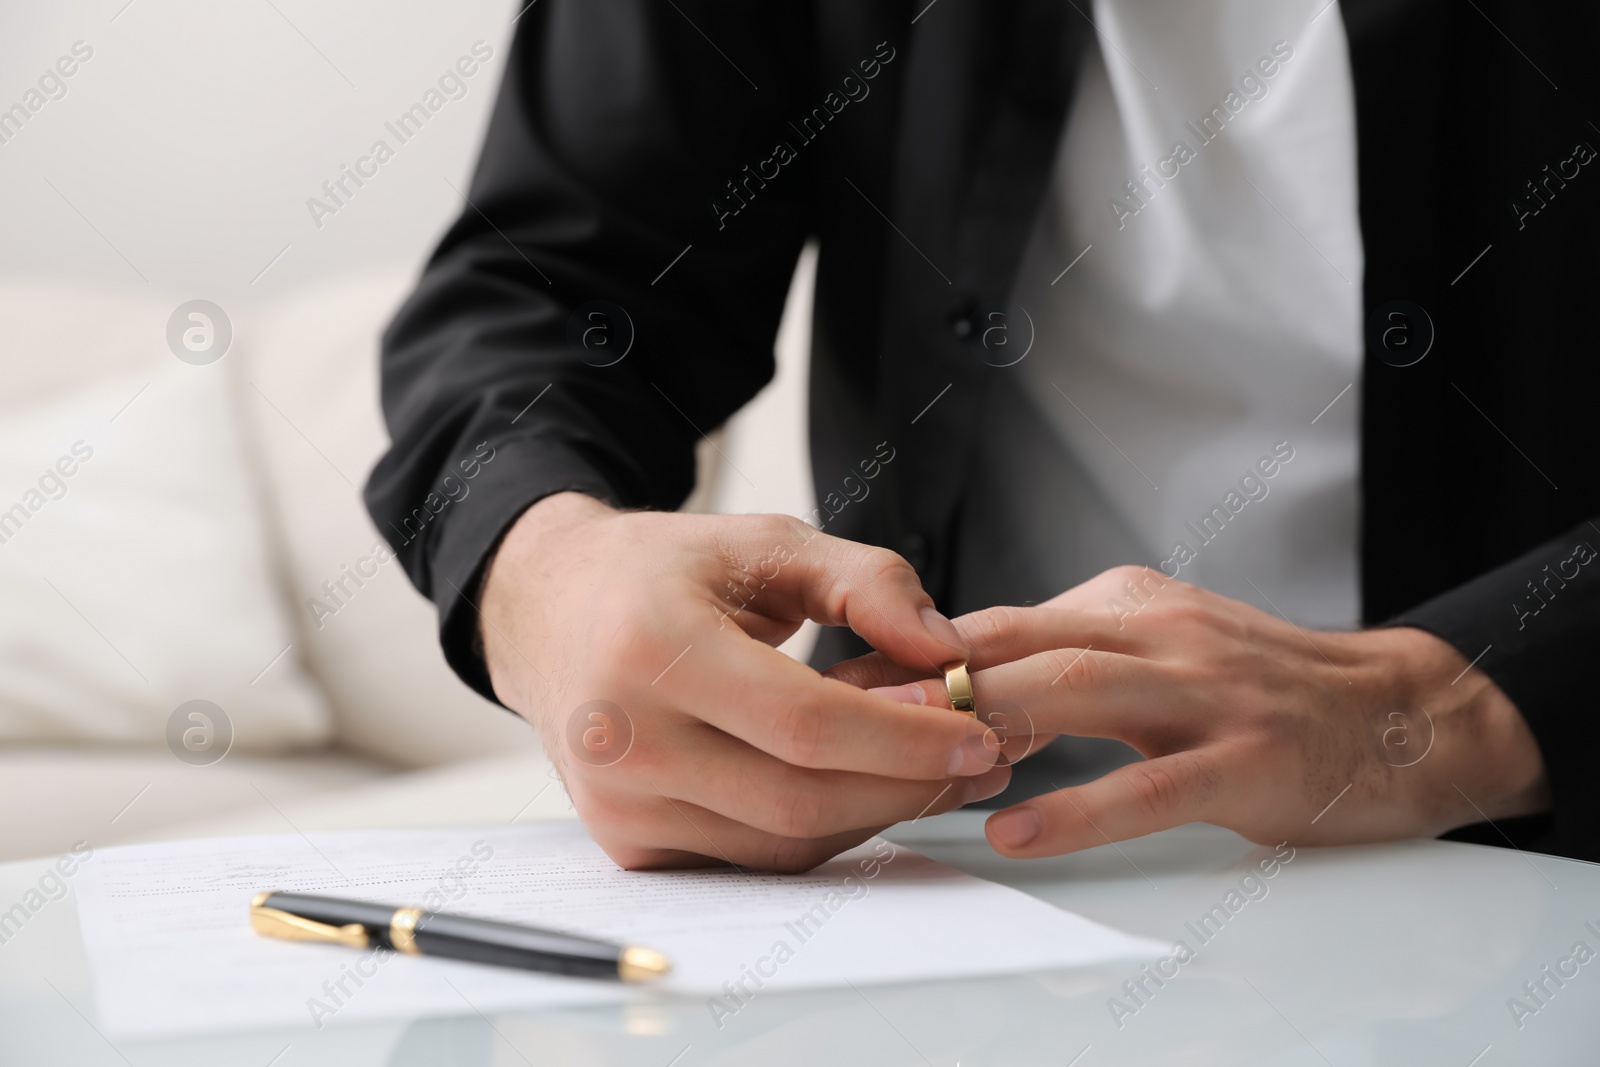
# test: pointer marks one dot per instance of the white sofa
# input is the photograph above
(180, 560)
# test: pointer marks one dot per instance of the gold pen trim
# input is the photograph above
(641, 964)
(403, 930)
(274, 922)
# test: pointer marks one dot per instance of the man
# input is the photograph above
(1283, 300)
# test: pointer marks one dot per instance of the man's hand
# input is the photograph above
(1248, 722)
(642, 646)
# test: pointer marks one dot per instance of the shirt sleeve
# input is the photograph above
(597, 305)
(1533, 626)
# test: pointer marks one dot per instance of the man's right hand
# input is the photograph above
(643, 647)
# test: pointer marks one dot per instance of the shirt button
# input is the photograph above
(914, 547)
(961, 321)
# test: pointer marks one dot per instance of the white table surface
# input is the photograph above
(1393, 954)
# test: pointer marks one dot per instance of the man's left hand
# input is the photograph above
(1246, 720)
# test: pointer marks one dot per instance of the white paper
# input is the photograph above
(167, 932)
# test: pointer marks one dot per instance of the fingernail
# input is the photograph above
(941, 627)
(902, 694)
(1015, 828)
(973, 756)
(982, 787)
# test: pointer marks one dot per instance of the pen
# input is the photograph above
(360, 924)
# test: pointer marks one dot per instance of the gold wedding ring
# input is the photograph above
(959, 683)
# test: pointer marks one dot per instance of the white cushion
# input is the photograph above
(53, 797)
(141, 580)
(519, 788)
(312, 364)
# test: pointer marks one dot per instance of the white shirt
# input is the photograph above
(1203, 325)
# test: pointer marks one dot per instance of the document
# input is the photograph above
(169, 942)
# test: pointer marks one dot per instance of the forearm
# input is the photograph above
(566, 209)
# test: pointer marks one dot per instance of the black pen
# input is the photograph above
(417, 932)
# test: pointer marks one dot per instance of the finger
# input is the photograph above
(1077, 691)
(674, 833)
(872, 671)
(829, 580)
(1131, 801)
(1121, 591)
(996, 635)
(788, 710)
(712, 770)
(1014, 729)
(1006, 632)
(1018, 746)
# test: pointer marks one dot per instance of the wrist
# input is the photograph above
(555, 513)
(1485, 761)
(533, 532)
(534, 549)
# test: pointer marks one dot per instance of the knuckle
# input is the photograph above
(798, 530)
(794, 855)
(1182, 588)
(799, 735)
(1265, 744)
(634, 858)
(786, 529)
(1145, 581)
(738, 540)
(1082, 671)
(881, 566)
(629, 646)
(799, 812)
(605, 810)
(1126, 572)
(1112, 580)
(1156, 789)
(992, 627)
(1189, 610)
(1188, 601)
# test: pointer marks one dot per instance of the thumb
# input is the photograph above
(871, 590)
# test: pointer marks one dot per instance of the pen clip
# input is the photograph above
(274, 922)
